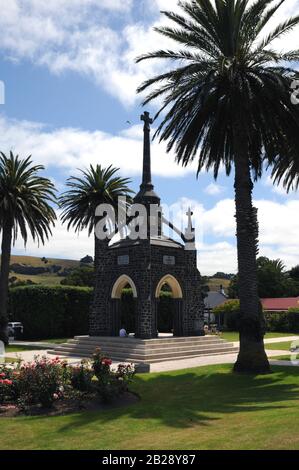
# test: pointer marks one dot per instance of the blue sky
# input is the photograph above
(70, 77)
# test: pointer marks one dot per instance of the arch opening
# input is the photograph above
(169, 306)
(124, 311)
(122, 283)
(169, 282)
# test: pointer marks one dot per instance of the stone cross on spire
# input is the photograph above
(147, 174)
(190, 231)
(147, 195)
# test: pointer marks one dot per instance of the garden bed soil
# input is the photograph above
(67, 406)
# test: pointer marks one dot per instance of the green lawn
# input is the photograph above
(9, 360)
(234, 335)
(13, 348)
(279, 346)
(202, 408)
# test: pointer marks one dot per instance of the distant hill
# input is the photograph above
(45, 271)
(54, 278)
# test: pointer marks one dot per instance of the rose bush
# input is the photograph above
(108, 383)
(41, 382)
(44, 381)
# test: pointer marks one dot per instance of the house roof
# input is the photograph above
(214, 299)
(280, 304)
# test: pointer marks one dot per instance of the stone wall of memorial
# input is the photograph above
(146, 264)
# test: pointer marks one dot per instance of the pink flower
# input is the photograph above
(6, 382)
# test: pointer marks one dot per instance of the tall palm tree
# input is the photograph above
(25, 199)
(96, 186)
(228, 104)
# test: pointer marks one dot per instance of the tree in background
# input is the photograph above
(228, 103)
(25, 199)
(273, 280)
(82, 276)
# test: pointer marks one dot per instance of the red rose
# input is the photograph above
(107, 362)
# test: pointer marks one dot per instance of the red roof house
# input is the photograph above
(280, 305)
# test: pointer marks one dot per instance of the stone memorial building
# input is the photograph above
(146, 265)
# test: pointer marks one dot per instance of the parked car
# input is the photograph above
(15, 330)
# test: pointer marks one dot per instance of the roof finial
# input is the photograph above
(190, 231)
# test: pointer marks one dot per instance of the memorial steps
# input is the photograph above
(149, 351)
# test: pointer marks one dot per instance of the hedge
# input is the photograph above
(228, 315)
(50, 312)
(62, 311)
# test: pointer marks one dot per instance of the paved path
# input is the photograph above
(171, 365)
(28, 356)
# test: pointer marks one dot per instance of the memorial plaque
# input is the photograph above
(123, 260)
(169, 260)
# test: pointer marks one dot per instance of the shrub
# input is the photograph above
(109, 384)
(229, 314)
(287, 322)
(81, 378)
(6, 385)
(41, 382)
(51, 312)
(281, 322)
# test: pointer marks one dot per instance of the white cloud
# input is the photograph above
(69, 148)
(279, 228)
(78, 35)
(214, 189)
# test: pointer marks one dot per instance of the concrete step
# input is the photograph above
(138, 347)
(152, 360)
(166, 340)
(143, 351)
(137, 350)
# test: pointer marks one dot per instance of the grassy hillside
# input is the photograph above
(49, 279)
(215, 283)
(37, 262)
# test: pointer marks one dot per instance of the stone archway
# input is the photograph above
(120, 317)
(175, 303)
(173, 284)
(120, 284)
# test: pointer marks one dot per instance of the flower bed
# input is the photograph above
(43, 383)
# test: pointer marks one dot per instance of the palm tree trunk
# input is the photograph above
(4, 275)
(252, 357)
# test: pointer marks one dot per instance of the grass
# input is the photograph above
(215, 283)
(9, 360)
(41, 279)
(202, 408)
(13, 348)
(234, 335)
(47, 279)
(37, 262)
(283, 346)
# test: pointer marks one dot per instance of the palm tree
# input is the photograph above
(228, 103)
(96, 186)
(25, 199)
